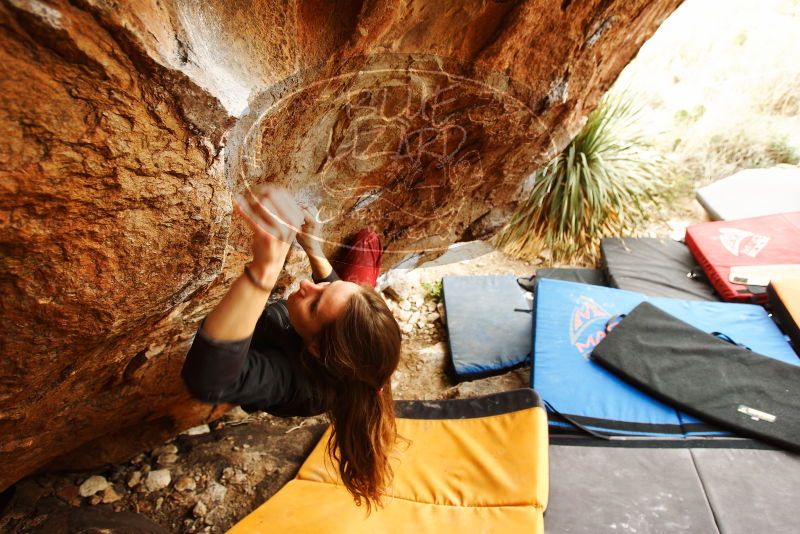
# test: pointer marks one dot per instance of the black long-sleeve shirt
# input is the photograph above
(261, 373)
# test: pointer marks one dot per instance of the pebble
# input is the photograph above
(158, 479)
(239, 477)
(432, 317)
(414, 317)
(92, 485)
(405, 305)
(110, 495)
(407, 328)
(216, 492)
(404, 315)
(197, 430)
(135, 479)
(167, 458)
(144, 506)
(159, 503)
(166, 449)
(95, 499)
(440, 310)
(237, 414)
(185, 483)
(200, 509)
(417, 300)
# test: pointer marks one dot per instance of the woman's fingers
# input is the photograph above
(310, 215)
(276, 211)
(259, 204)
(287, 208)
(244, 211)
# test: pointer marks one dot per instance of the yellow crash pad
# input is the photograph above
(470, 465)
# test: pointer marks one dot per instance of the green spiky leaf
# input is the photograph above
(604, 180)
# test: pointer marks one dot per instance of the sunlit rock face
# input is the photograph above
(126, 127)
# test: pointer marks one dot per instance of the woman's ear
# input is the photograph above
(313, 348)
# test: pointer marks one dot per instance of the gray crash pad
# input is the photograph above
(489, 324)
(751, 490)
(597, 490)
(752, 193)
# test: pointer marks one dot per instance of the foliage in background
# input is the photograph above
(433, 290)
(602, 183)
(782, 98)
(725, 153)
(724, 97)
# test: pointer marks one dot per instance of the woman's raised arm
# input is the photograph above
(274, 218)
(310, 239)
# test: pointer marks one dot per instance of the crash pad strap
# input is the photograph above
(710, 378)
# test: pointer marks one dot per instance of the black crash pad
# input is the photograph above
(712, 379)
(655, 267)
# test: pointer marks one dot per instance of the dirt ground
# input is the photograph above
(207, 479)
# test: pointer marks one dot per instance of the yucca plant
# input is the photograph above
(599, 185)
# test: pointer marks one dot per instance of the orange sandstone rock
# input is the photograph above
(125, 128)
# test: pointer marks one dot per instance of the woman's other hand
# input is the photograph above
(274, 217)
(309, 236)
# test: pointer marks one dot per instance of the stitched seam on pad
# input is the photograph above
(705, 492)
(538, 506)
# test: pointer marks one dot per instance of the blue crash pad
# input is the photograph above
(487, 336)
(570, 320)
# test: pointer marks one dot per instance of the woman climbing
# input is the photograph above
(331, 347)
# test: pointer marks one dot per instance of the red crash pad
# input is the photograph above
(759, 244)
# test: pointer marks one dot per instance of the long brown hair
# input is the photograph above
(358, 352)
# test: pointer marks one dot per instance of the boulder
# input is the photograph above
(127, 126)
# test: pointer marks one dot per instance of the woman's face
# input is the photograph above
(314, 305)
